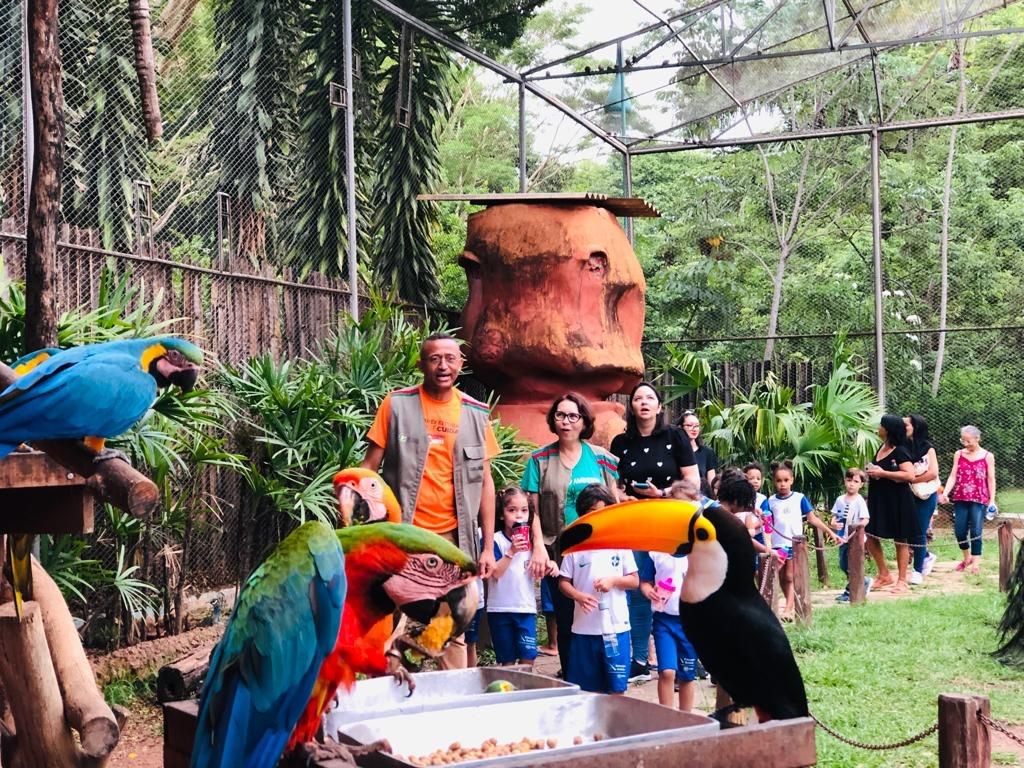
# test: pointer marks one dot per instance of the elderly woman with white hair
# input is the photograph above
(972, 488)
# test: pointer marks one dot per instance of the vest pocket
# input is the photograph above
(473, 458)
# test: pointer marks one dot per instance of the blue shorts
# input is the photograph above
(514, 636)
(673, 648)
(473, 630)
(592, 671)
(547, 605)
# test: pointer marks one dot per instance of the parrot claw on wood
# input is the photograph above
(110, 453)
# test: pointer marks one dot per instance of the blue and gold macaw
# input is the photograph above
(91, 393)
(94, 391)
(263, 670)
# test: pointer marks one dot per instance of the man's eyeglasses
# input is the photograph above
(571, 418)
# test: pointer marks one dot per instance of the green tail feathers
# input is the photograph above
(19, 559)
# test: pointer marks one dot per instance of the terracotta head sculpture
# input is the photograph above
(556, 302)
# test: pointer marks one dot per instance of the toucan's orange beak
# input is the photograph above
(647, 525)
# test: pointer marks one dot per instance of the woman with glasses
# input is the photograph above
(704, 455)
(554, 476)
(652, 455)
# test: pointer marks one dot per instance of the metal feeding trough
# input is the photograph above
(614, 721)
(381, 696)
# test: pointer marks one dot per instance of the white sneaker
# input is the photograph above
(915, 577)
(928, 564)
(867, 585)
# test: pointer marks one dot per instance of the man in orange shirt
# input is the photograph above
(436, 445)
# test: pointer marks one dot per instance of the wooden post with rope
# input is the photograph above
(964, 741)
(766, 575)
(1007, 543)
(819, 557)
(801, 580)
(855, 565)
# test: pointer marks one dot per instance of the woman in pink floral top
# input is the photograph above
(972, 487)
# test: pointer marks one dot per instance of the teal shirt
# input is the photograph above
(590, 469)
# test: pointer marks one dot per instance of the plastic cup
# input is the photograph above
(522, 533)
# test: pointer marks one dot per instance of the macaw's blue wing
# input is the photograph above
(98, 390)
(263, 670)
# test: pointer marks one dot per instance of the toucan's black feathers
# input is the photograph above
(737, 637)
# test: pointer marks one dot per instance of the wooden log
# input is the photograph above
(766, 576)
(964, 741)
(801, 580)
(1006, 547)
(181, 678)
(30, 682)
(819, 557)
(84, 707)
(855, 565)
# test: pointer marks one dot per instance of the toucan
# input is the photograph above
(733, 630)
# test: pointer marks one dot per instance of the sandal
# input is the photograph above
(962, 565)
(899, 588)
(882, 582)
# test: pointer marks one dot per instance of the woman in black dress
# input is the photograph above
(891, 502)
(704, 455)
(652, 455)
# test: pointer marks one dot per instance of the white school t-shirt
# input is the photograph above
(582, 568)
(788, 517)
(513, 591)
(668, 566)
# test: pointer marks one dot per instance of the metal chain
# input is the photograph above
(879, 747)
(1001, 728)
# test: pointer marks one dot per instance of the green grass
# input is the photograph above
(1010, 500)
(128, 692)
(874, 672)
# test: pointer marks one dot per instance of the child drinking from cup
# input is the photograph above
(511, 604)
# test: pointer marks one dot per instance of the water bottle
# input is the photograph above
(611, 640)
(991, 512)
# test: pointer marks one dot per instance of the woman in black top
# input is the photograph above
(652, 455)
(890, 502)
(704, 455)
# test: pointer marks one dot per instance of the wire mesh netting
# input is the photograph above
(232, 231)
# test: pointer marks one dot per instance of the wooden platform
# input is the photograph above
(38, 495)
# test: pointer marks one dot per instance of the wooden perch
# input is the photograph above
(114, 481)
(84, 707)
(31, 686)
(181, 678)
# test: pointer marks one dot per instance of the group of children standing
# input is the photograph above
(597, 581)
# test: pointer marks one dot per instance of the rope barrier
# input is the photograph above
(878, 747)
(993, 725)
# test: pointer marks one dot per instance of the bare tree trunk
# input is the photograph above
(947, 190)
(44, 195)
(785, 248)
(145, 68)
(174, 20)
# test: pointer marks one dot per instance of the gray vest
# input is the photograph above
(405, 458)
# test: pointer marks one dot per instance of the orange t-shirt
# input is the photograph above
(435, 500)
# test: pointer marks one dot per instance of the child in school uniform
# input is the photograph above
(849, 517)
(597, 582)
(511, 600)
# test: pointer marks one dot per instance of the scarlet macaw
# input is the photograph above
(268, 670)
(389, 566)
(263, 669)
(90, 392)
(380, 501)
(733, 630)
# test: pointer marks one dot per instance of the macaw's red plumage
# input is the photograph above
(378, 504)
(390, 566)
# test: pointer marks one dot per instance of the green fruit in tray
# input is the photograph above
(500, 686)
